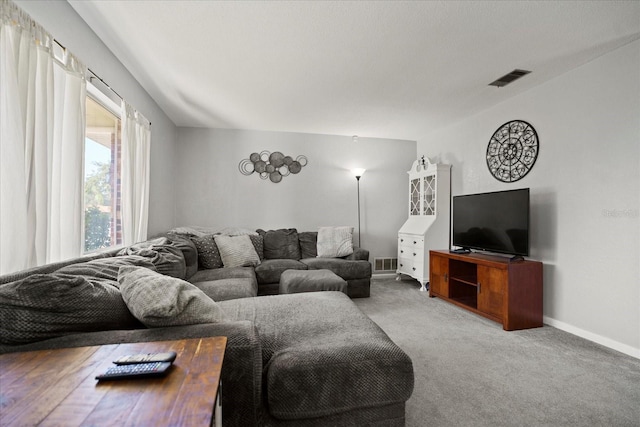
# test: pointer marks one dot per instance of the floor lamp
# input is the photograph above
(358, 173)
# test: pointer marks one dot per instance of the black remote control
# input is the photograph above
(146, 358)
(138, 370)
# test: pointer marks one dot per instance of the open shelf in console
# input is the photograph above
(463, 283)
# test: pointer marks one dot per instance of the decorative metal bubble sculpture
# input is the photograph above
(272, 165)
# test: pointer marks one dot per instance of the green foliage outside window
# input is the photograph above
(97, 215)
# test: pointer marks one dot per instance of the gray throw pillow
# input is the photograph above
(208, 253)
(157, 300)
(335, 242)
(237, 251)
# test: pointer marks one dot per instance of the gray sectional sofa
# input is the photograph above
(279, 250)
(308, 359)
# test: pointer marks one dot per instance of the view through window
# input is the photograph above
(102, 177)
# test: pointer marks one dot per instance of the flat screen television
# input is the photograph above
(495, 222)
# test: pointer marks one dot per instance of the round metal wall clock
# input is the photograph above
(512, 151)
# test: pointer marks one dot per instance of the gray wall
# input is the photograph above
(66, 26)
(585, 189)
(211, 191)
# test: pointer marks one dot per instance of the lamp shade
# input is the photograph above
(357, 172)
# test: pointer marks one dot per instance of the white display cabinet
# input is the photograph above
(428, 226)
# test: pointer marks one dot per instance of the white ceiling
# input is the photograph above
(388, 69)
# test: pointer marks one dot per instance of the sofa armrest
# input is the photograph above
(358, 254)
(241, 370)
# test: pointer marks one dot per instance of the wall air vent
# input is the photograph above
(385, 265)
(508, 78)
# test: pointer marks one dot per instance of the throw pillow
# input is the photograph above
(208, 253)
(157, 300)
(334, 242)
(44, 306)
(258, 244)
(237, 251)
(281, 244)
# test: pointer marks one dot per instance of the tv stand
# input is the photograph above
(509, 293)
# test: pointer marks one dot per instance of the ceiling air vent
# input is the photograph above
(508, 78)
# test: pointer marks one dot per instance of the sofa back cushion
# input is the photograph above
(281, 244)
(189, 251)
(44, 306)
(308, 244)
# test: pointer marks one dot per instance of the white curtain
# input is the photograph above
(136, 138)
(42, 125)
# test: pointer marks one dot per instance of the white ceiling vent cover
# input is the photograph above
(509, 78)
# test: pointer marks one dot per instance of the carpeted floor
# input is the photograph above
(469, 372)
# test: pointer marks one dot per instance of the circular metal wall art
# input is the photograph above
(273, 166)
(512, 151)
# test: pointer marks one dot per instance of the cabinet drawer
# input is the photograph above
(410, 241)
(411, 266)
(410, 253)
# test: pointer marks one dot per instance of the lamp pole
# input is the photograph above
(358, 172)
(358, 179)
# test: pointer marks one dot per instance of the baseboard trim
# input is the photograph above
(599, 339)
(383, 275)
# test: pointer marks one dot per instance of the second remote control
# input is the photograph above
(146, 358)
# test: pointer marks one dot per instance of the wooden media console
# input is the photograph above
(508, 292)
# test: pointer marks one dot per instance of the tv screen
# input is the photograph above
(494, 222)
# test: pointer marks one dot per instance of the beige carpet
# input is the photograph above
(469, 372)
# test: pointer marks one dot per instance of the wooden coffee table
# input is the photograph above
(58, 387)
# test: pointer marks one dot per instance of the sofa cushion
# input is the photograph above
(270, 270)
(281, 244)
(344, 268)
(335, 241)
(167, 259)
(225, 289)
(237, 251)
(157, 300)
(224, 273)
(322, 355)
(295, 281)
(308, 244)
(44, 306)
(208, 253)
(106, 268)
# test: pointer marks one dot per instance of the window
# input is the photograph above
(103, 141)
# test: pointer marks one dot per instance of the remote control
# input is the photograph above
(121, 372)
(146, 358)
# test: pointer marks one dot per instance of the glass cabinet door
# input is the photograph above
(429, 195)
(414, 198)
